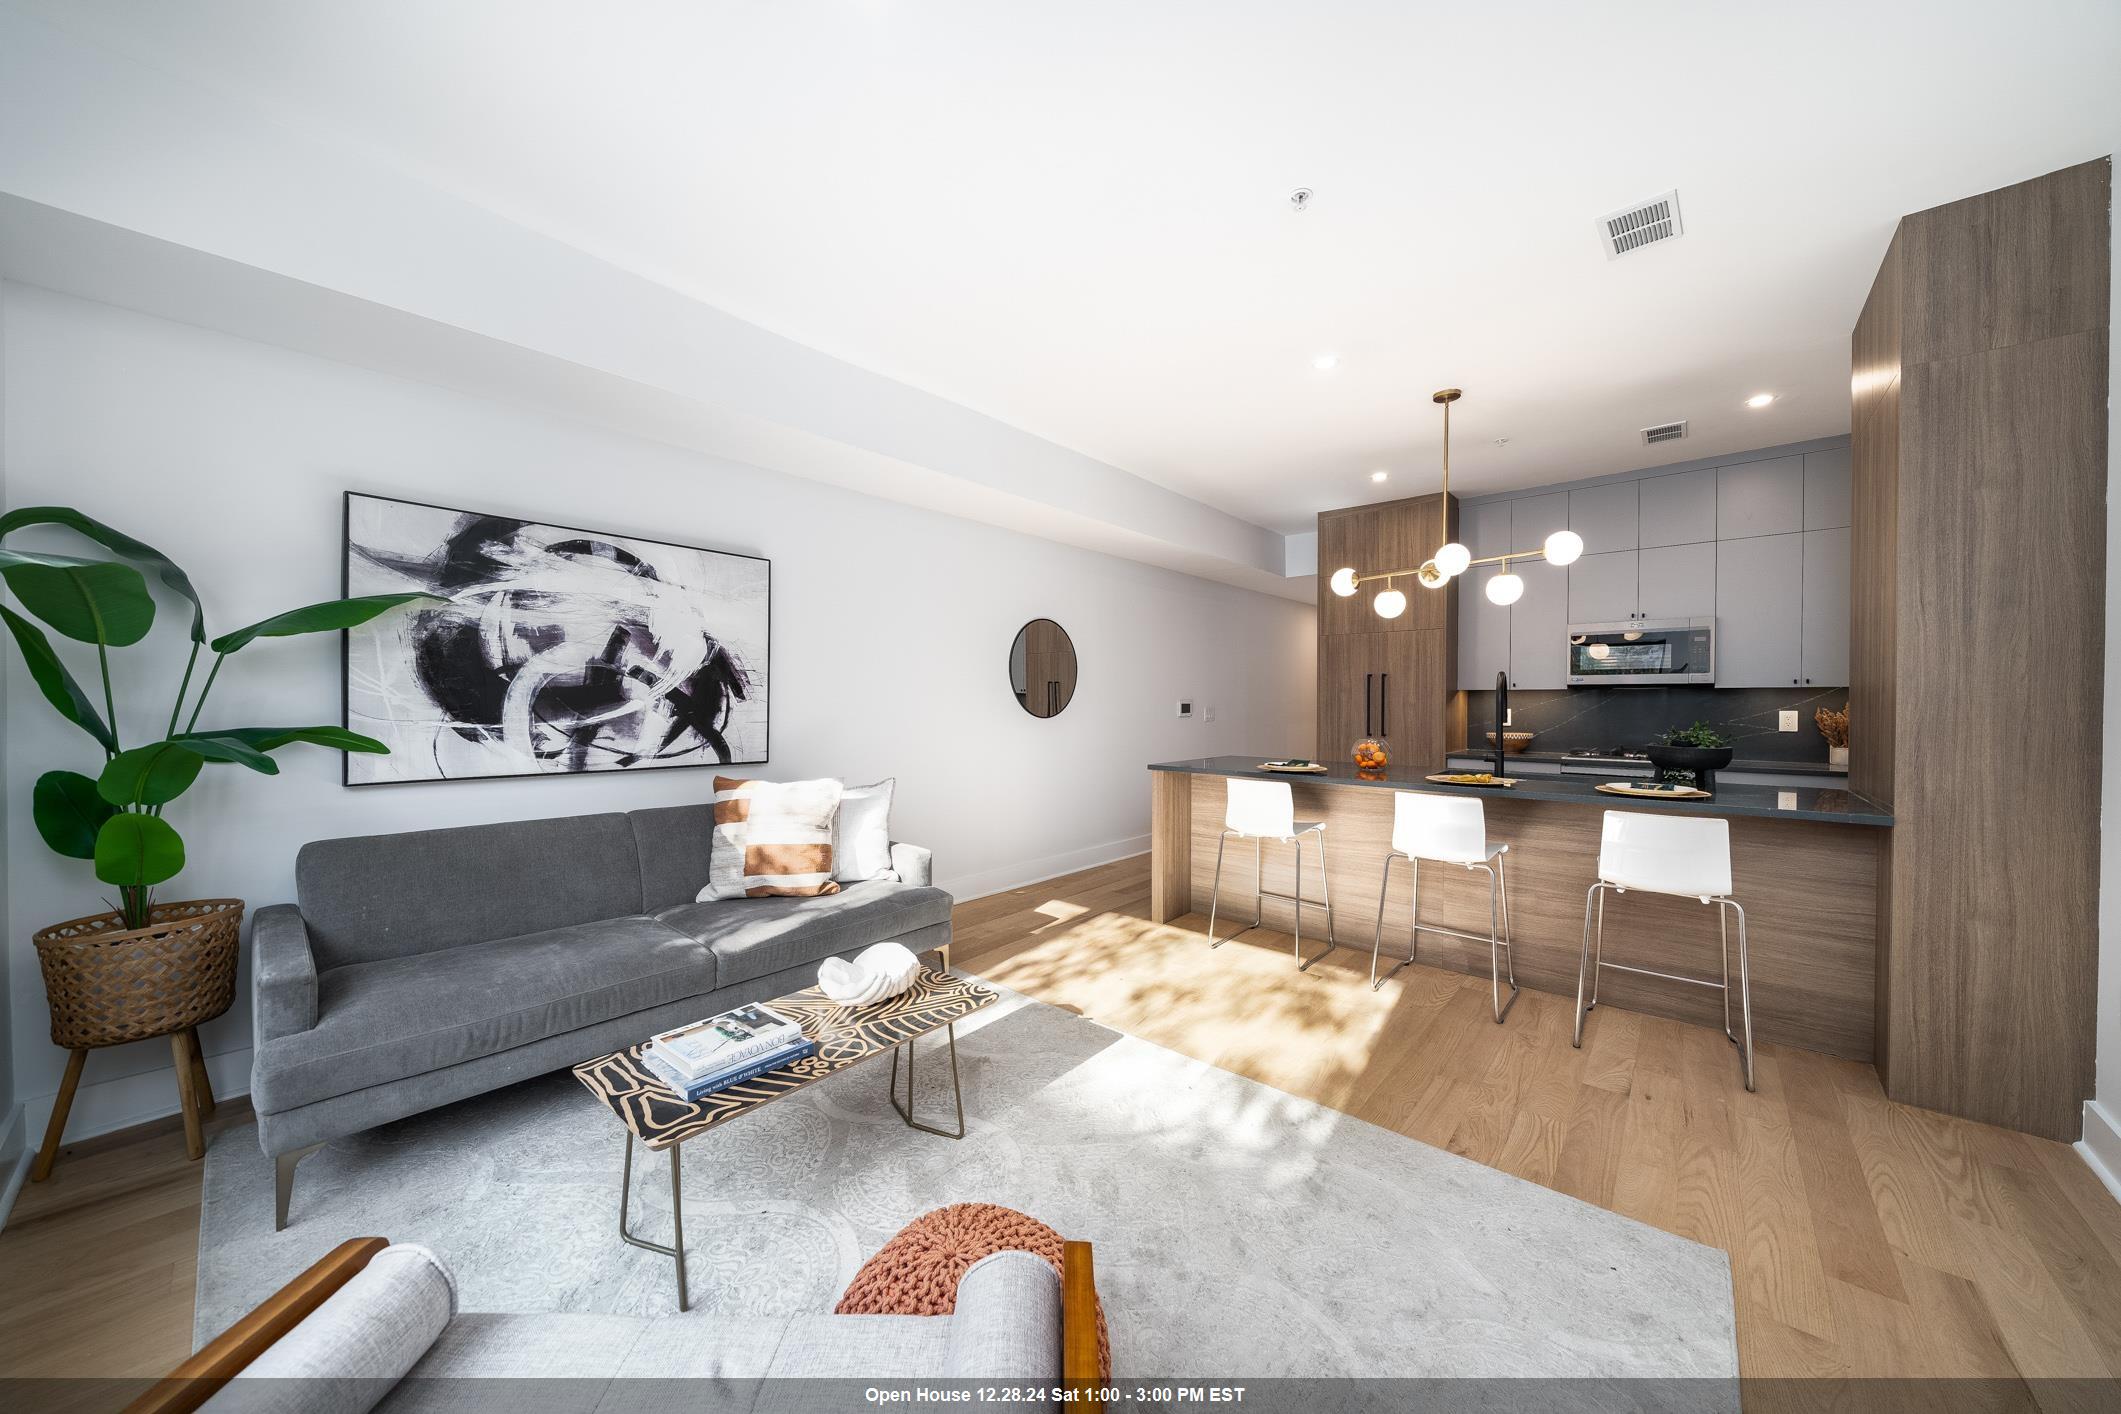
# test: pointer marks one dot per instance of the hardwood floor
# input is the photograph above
(1866, 1238)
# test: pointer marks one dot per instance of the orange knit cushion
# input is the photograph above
(916, 1273)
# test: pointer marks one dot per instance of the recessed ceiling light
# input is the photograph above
(1379, 475)
(1326, 362)
(1759, 400)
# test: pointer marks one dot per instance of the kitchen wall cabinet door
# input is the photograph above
(1396, 535)
(1826, 489)
(1676, 581)
(1826, 608)
(1760, 611)
(1602, 588)
(1676, 510)
(1483, 631)
(1539, 626)
(1534, 518)
(1604, 516)
(1760, 498)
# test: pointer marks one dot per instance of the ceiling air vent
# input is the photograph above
(1644, 223)
(1664, 432)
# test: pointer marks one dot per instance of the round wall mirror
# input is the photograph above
(1042, 668)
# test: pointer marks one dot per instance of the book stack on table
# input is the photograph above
(725, 1050)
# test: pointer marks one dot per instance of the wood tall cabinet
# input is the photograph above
(1979, 387)
(1394, 679)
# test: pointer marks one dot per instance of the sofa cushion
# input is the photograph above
(351, 1351)
(384, 1021)
(383, 896)
(751, 937)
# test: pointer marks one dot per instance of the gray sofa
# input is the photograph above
(423, 968)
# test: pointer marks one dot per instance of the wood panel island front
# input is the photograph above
(1804, 863)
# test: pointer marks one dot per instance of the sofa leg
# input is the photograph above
(284, 1182)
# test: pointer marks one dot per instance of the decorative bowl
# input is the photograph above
(1513, 743)
(1370, 755)
(1702, 761)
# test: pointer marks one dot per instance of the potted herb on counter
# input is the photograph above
(1834, 726)
(1699, 750)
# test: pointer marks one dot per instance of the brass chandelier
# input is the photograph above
(1452, 559)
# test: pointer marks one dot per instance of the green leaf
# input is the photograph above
(220, 746)
(55, 681)
(68, 812)
(327, 617)
(273, 738)
(150, 775)
(136, 851)
(90, 601)
(117, 541)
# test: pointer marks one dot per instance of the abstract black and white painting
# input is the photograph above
(556, 650)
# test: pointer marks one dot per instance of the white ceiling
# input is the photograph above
(1073, 217)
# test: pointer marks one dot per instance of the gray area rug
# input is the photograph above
(1238, 1231)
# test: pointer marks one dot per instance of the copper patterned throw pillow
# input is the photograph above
(772, 840)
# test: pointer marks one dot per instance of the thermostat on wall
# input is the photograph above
(1185, 709)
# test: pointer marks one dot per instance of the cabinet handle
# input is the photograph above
(1384, 702)
(1366, 727)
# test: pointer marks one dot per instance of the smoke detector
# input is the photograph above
(1644, 223)
(1300, 199)
(1664, 432)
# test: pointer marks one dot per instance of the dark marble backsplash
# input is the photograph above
(1598, 718)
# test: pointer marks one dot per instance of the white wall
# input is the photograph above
(2102, 1117)
(891, 630)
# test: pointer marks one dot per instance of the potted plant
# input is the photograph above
(145, 968)
(1699, 749)
(1834, 726)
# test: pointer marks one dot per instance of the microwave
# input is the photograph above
(1643, 653)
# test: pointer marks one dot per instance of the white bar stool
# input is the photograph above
(1684, 856)
(1447, 829)
(1266, 810)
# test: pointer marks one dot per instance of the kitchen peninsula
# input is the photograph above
(1805, 864)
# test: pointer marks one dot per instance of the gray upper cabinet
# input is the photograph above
(1539, 626)
(1676, 581)
(1534, 518)
(1602, 588)
(1826, 489)
(1483, 628)
(1826, 607)
(1604, 516)
(1760, 611)
(1676, 510)
(1760, 498)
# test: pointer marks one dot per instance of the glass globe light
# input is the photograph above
(1343, 583)
(1431, 575)
(1505, 588)
(1453, 558)
(1563, 547)
(1391, 604)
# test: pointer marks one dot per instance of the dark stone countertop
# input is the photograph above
(1738, 763)
(1837, 807)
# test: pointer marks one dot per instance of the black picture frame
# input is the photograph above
(346, 638)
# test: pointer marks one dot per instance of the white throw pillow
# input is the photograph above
(862, 835)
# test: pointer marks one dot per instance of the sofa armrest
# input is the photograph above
(283, 974)
(1007, 1325)
(912, 864)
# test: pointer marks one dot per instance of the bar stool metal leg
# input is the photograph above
(1495, 944)
(1215, 891)
(1377, 947)
(1745, 989)
(1509, 952)
(1591, 897)
(1325, 901)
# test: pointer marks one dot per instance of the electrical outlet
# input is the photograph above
(1787, 722)
(1509, 716)
(1785, 800)
(1185, 709)
(1207, 714)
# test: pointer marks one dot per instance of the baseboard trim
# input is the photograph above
(965, 888)
(126, 1101)
(2101, 1145)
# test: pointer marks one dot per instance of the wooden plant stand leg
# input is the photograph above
(42, 1169)
(200, 1082)
(187, 1095)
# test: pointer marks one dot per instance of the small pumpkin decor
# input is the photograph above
(146, 968)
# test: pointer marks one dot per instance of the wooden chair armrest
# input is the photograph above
(194, 1382)
(1078, 1318)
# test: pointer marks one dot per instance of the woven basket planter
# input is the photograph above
(108, 985)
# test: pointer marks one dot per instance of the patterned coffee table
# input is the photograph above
(659, 1118)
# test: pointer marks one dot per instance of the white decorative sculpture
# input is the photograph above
(875, 973)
